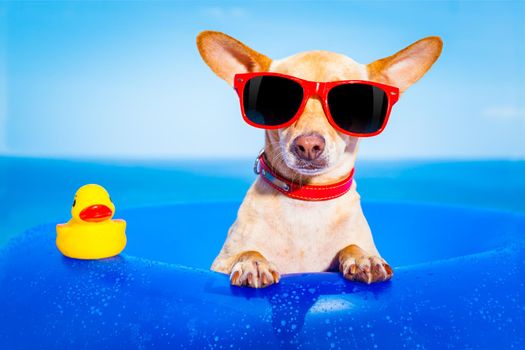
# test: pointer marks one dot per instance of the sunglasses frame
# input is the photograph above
(319, 89)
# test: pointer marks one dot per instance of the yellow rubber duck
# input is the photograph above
(91, 234)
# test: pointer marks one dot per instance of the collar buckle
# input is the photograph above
(257, 164)
(281, 184)
(258, 169)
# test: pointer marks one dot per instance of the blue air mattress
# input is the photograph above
(459, 283)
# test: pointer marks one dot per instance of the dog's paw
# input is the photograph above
(367, 269)
(254, 271)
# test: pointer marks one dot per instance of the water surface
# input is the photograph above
(35, 191)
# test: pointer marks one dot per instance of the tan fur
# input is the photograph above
(276, 234)
(225, 54)
(408, 65)
(252, 269)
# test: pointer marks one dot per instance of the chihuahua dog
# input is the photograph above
(303, 213)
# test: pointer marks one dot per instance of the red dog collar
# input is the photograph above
(302, 192)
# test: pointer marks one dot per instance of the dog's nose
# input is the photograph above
(308, 147)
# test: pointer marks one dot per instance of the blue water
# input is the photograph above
(36, 191)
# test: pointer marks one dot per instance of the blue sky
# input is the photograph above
(124, 79)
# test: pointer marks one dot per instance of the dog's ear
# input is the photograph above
(227, 56)
(408, 65)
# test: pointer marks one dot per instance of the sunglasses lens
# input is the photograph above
(358, 108)
(271, 100)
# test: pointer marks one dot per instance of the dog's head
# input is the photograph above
(311, 148)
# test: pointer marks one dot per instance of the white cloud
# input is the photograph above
(222, 13)
(508, 112)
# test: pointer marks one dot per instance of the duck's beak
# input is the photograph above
(95, 213)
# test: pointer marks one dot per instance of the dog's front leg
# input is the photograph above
(357, 265)
(251, 269)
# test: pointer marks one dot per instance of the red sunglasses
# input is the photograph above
(353, 107)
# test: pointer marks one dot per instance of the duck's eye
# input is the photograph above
(74, 202)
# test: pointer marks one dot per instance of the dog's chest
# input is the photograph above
(308, 235)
